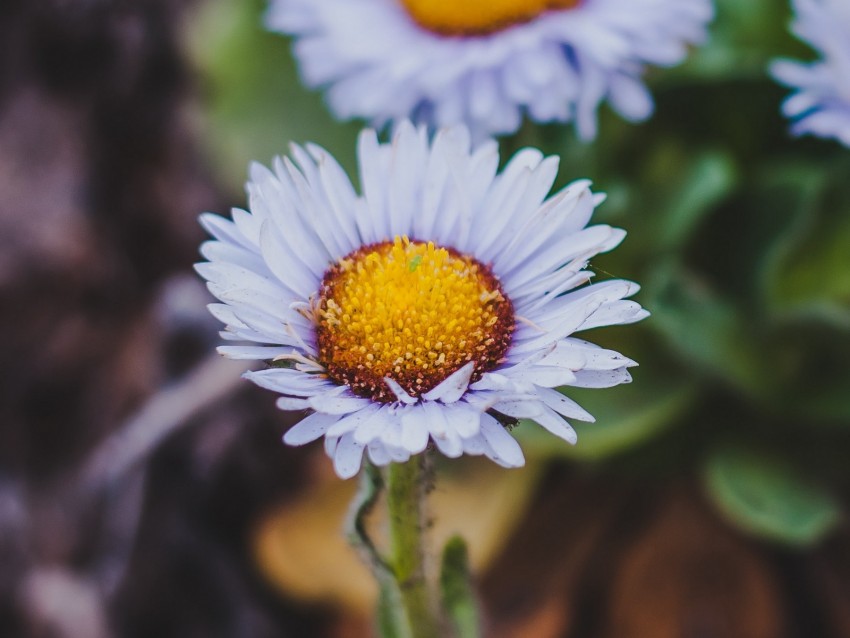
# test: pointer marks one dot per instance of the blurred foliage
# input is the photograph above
(457, 590)
(254, 103)
(739, 234)
(769, 497)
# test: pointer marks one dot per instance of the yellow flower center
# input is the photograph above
(479, 17)
(411, 311)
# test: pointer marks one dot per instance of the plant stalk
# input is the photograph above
(406, 488)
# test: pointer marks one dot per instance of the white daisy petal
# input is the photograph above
(453, 387)
(228, 276)
(821, 105)
(397, 454)
(576, 303)
(292, 404)
(233, 253)
(549, 288)
(399, 392)
(309, 428)
(615, 313)
(475, 445)
(374, 224)
(385, 60)
(332, 403)
(442, 432)
(256, 309)
(414, 429)
(378, 454)
(285, 265)
(450, 446)
(347, 457)
(226, 315)
(601, 378)
(491, 381)
(405, 314)
(564, 405)
(263, 353)
(555, 424)
(318, 208)
(573, 317)
(330, 445)
(503, 447)
(391, 436)
(292, 382)
(548, 223)
(290, 231)
(314, 248)
(464, 420)
(545, 376)
(593, 240)
(520, 409)
(435, 420)
(372, 427)
(353, 421)
(577, 354)
(224, 230)
(340, 194)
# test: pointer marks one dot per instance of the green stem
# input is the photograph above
(405, 499)
(392, 621)
(371, 486)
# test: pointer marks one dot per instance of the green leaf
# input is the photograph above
(807, 274)
(769, 498)
(705, 328)
(456, 589)
(708, 179)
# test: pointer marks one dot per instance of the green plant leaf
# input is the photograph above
(808, 275)
(768, 497)
(458, 596)
(705, 329)
(707, 180)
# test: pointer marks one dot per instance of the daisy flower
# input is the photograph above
(434, 307)
(487, 62)
(821, 105)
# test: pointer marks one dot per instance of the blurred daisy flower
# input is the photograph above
(821, 105)
(435, 307)
(487, 62)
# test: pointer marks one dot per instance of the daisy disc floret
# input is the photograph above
(429, 309)
(411, 311)
(821, 104)
(487, 63)
(478, 17)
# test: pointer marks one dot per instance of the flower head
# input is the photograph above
(487, 62)
(430, 308)
(821, 105)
